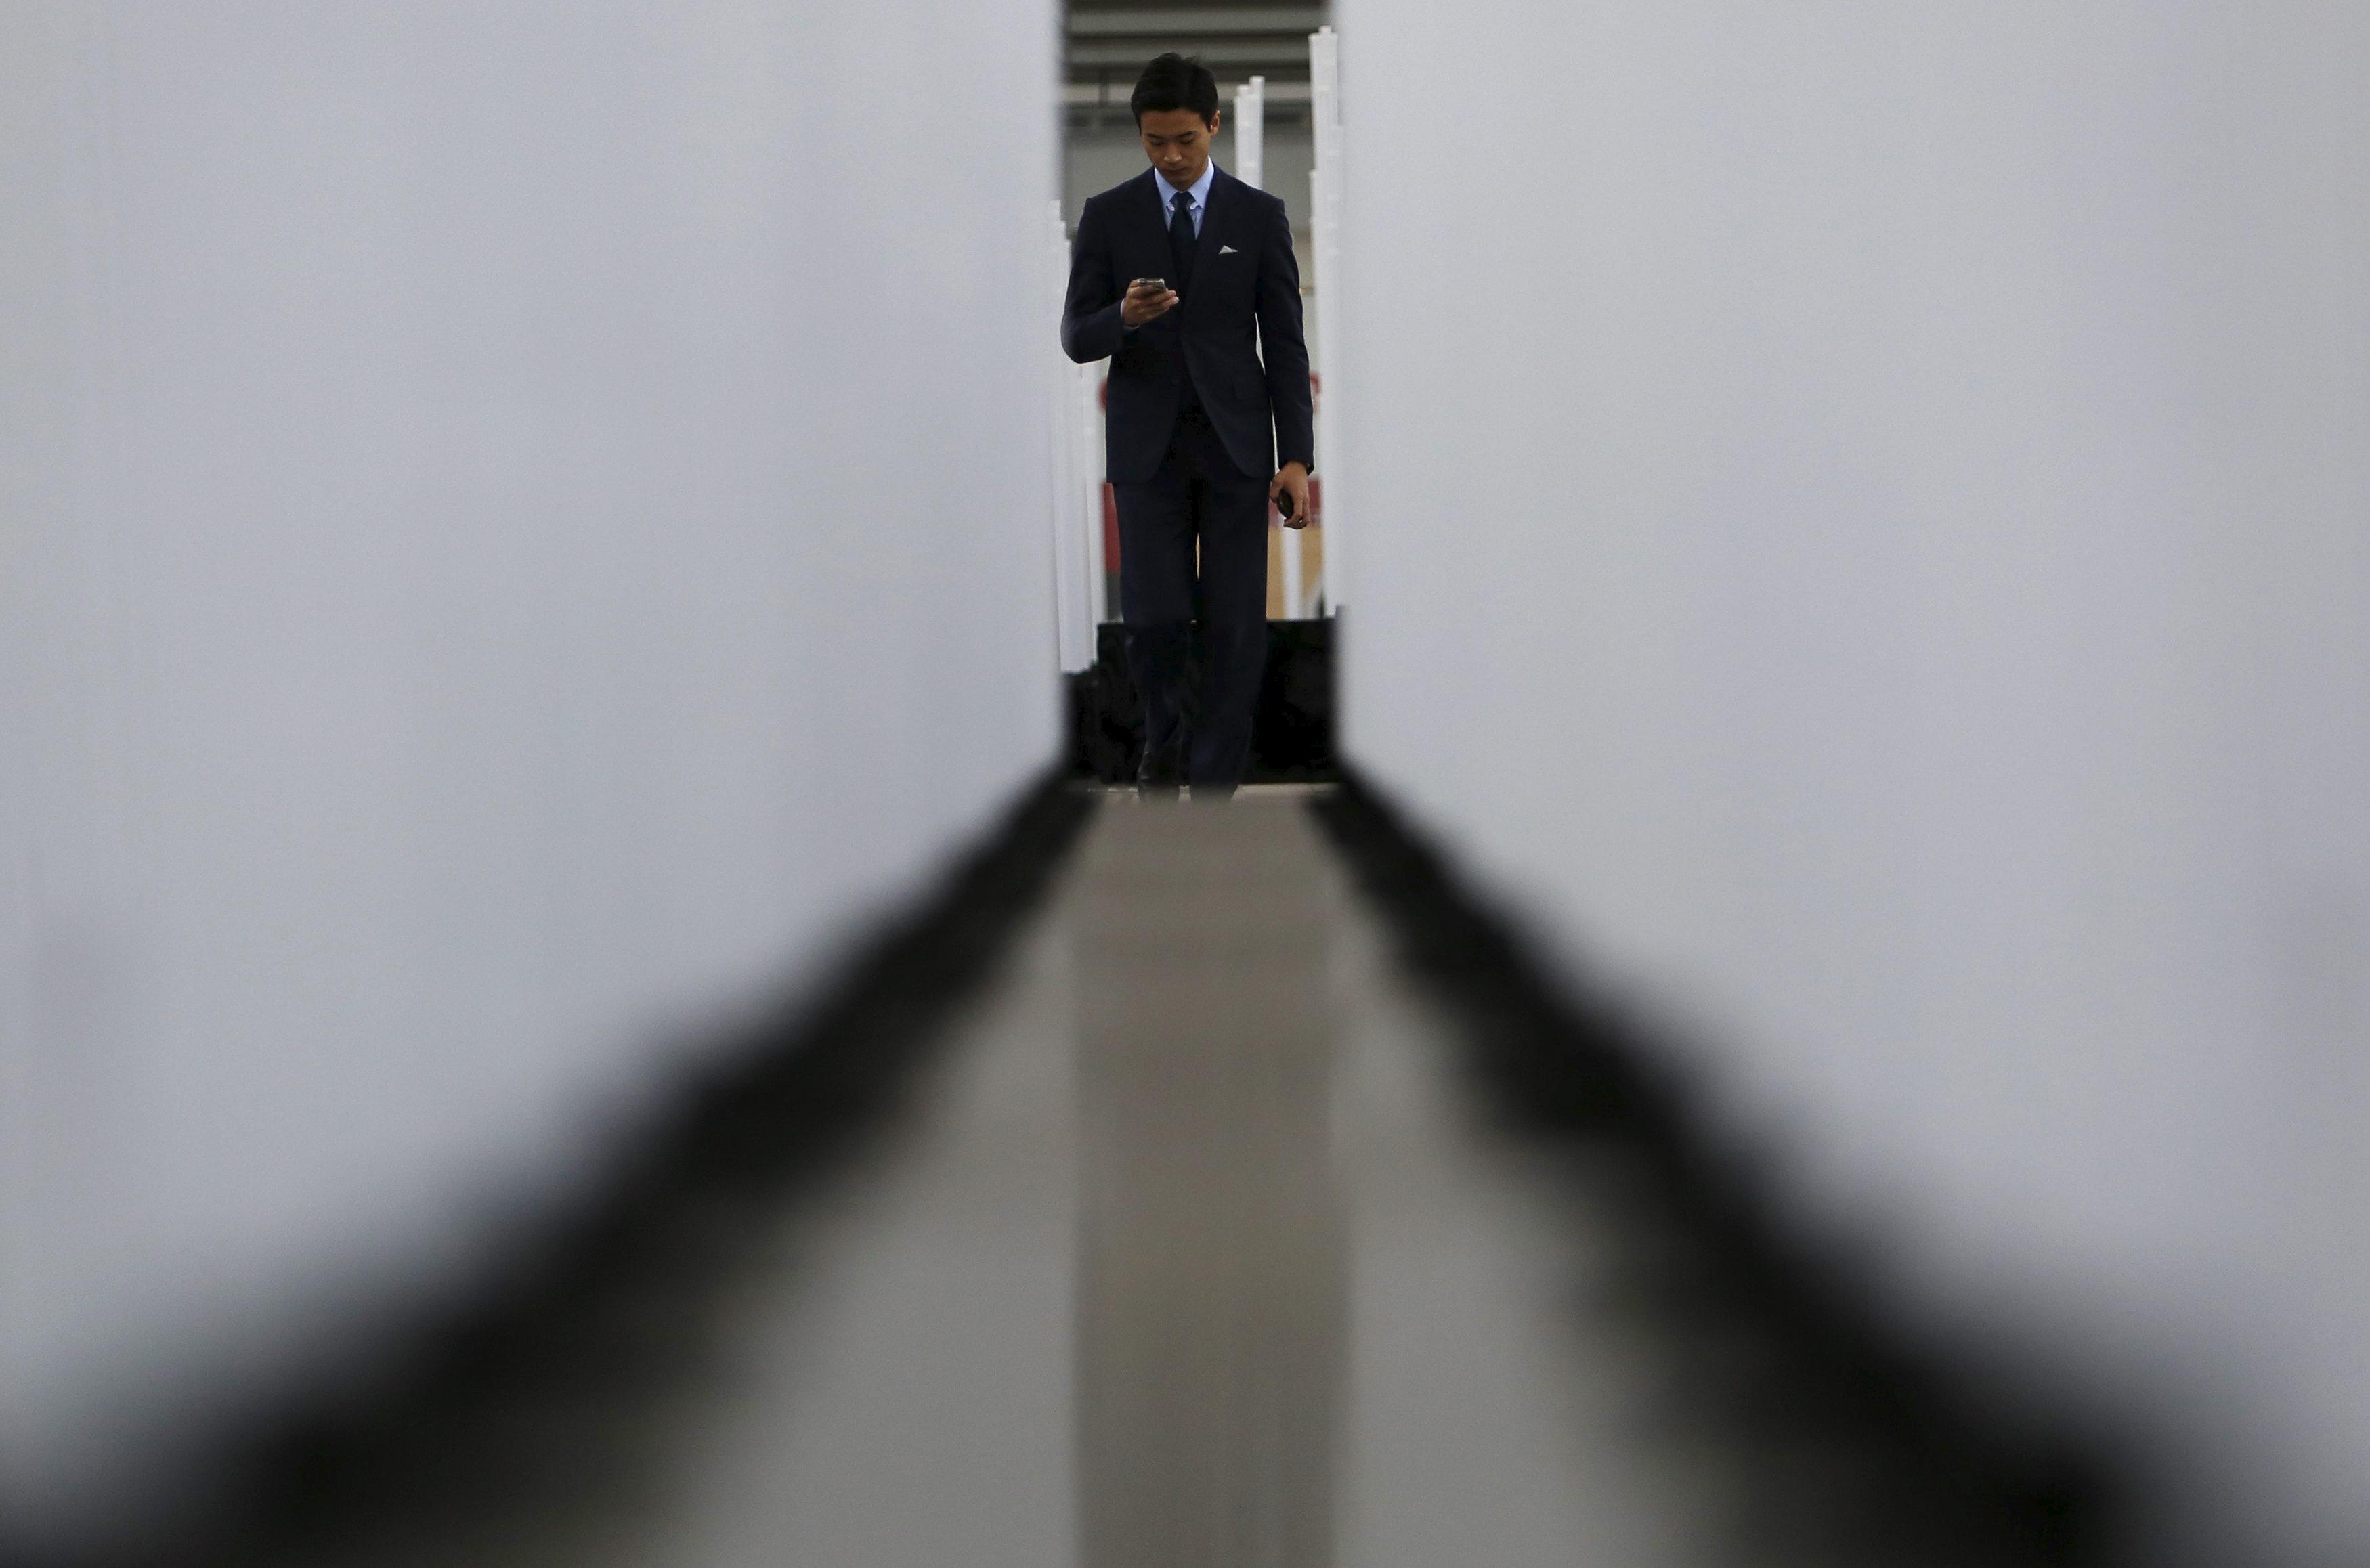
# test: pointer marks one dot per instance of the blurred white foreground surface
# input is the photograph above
(516, 537)
(1864, 537)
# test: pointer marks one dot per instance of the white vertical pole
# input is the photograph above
(1073, 584)
(1250, 167)
(1086, 494)
(1326, 184)
(1251, 131)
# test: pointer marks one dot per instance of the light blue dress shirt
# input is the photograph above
(1199, 190)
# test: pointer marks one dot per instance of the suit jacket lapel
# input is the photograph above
(1155, 228)
(1154, 208)
(1207, 244)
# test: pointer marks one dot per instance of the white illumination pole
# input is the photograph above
(1251, 131)
(1250, 160)
(1087, 493)
(1325, 188)
(1077, 583)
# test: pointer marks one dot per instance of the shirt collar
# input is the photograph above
(1199, 189)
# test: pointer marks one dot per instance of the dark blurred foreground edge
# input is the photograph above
(537, 1398)
(1902, 1450)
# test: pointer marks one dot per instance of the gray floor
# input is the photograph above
(1196, 1257)
(1196, 1251)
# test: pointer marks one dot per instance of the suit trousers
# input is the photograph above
(1193, 559)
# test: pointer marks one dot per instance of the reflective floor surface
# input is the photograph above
(1197, 1249)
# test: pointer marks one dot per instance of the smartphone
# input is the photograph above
(1283, 503)
(1152, 282)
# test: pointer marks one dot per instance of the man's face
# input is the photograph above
(1178, 143)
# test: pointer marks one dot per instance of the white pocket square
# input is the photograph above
(1229, 250)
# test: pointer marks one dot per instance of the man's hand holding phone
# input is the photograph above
(1288, 493)
(1146, 298)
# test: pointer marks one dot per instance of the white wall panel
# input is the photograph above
(1865, 539)
(520, 526)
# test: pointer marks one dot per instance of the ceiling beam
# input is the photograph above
(1179, 22)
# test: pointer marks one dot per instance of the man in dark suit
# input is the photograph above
(1184, 278)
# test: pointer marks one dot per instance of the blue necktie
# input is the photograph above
(1180, 237)
(1181, 240)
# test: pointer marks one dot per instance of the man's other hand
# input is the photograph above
(1292, 481)
(1145, 301)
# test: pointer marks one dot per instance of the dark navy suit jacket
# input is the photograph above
(1236, 324)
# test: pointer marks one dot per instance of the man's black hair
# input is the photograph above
(1174, 82)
